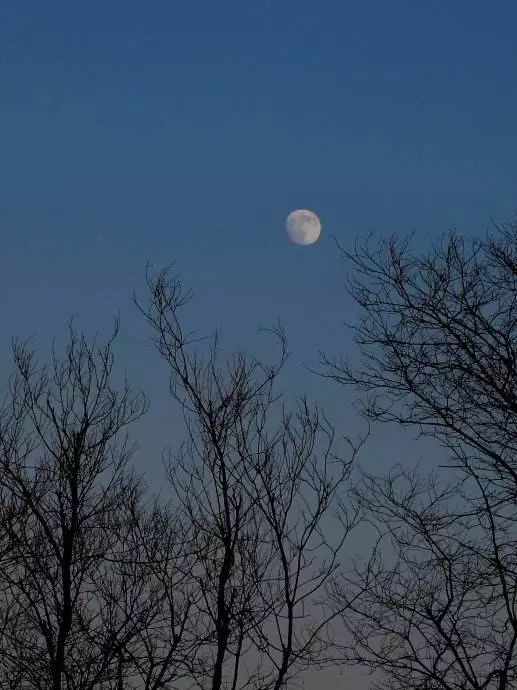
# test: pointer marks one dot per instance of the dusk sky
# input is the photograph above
(186, 132)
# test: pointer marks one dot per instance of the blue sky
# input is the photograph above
(186, 131)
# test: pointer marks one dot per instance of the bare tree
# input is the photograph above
(159, 653)
(257, 491)
(104, 587)
(433, 606)
(437, 334)
(64, 487)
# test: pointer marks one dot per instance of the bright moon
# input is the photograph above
(303, 226)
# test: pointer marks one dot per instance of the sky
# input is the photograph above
(186, 131)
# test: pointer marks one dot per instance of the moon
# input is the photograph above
(303, 226)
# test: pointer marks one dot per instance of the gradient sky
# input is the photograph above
(186, 131)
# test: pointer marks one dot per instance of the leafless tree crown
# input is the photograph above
(434, 606)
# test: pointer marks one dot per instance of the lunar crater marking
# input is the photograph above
(303, 227)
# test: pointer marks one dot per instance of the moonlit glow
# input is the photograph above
(303, 227)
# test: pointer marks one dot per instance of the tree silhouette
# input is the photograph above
(435, 604)
(64, 486)
(218, 583)
(257, 489)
